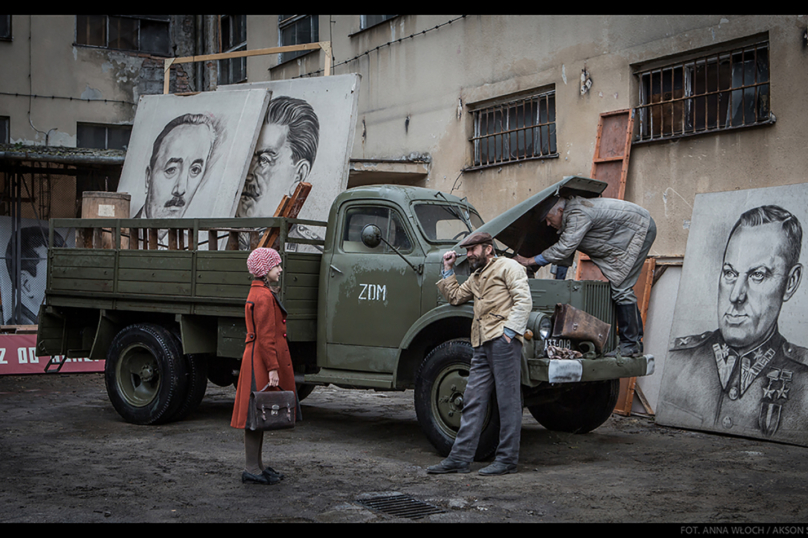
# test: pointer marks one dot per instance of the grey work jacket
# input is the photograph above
(610, 231)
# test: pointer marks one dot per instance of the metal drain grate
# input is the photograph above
(400, 505)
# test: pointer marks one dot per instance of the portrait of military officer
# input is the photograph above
(179, 159)
(745, 377)
(284, 156)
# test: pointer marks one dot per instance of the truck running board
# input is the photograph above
(351, 378)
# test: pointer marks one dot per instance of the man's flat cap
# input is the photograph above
(477, 238)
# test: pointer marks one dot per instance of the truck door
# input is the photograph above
(373, 295)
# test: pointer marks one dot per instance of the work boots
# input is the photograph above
(629, 331)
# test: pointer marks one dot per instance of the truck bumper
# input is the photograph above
(582, 370)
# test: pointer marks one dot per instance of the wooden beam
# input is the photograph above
(324, 45)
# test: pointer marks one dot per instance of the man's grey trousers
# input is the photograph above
(495, 366)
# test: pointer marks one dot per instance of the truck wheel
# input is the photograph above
(145, 374)
(439, 392)
(197, 385)
(579, 409)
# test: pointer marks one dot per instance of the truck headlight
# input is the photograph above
(541, 324)
(545, 327)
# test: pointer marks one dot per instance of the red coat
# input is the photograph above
(266, 345)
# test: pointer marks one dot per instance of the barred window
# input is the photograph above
(714, 92)
(518, 130)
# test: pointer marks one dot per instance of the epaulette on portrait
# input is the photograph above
(690, 342)
(795, 353)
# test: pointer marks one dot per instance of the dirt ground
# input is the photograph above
(66, 456)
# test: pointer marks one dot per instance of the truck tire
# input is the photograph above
(580, 409)
(145, 374)
(439, 390)
(197, 384)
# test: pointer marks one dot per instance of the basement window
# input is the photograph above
(234, 38)
(715, 92)
(143, 33)
(514, 131)
(99, 136)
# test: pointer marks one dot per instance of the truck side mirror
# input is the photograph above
(371, 236)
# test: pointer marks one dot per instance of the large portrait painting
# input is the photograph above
(26, 258)
(188, 155)
(737, 361)
(306, 136)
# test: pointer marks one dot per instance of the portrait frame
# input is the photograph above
(693, 394)
(236, 116)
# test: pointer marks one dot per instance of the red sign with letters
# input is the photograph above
(18, 356)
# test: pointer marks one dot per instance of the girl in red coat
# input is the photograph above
(266, 347)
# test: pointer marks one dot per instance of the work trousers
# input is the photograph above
(624, 293)
(495, 369)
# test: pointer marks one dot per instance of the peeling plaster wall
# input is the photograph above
(411, 90)
(46, 62)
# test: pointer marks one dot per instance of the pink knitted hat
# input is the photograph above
(262, 260)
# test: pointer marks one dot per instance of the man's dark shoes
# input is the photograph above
(497, 468)
(269, 471)
(449, 466)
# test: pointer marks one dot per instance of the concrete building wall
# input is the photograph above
(416, 96)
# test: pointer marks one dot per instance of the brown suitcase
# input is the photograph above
(576, 324)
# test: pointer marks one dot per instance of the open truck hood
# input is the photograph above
(523, 227)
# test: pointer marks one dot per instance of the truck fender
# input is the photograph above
(436, 314)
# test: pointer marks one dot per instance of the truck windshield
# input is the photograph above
(446, 223)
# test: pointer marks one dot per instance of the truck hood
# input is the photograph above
(523, 227)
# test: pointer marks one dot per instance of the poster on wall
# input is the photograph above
(188, 155)
(23, 308)
(306, 136)
(737, 361)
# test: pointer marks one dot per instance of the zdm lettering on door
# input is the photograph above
(373, 292)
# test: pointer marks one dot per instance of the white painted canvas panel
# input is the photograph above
(33, 263)
(188, 155)
(737, 361)
(307, 136)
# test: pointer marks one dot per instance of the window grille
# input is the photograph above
(518, 130)
(714, 92)
(145, 33)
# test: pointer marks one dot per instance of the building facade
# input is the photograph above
(491, 107)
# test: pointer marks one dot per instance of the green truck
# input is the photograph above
(363, 308)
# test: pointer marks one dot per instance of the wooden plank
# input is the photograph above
(148, 288)
(223, 277)
(289, 209)
(154, 275)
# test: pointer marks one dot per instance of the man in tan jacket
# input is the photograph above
(502, 304)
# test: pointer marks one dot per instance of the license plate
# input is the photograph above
(563, 343)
